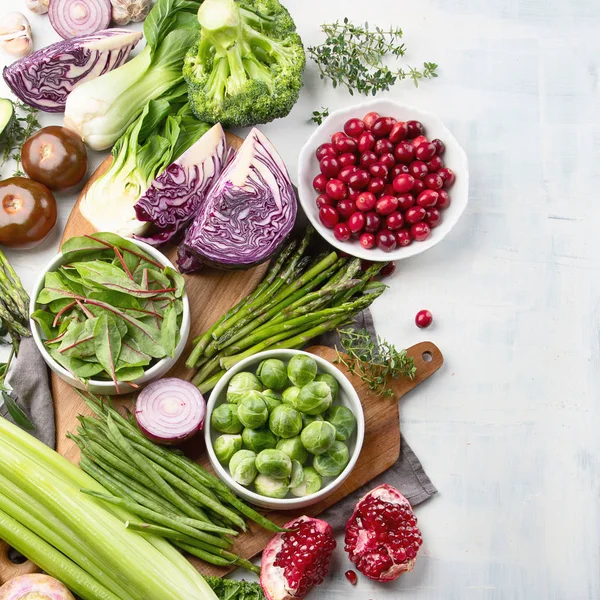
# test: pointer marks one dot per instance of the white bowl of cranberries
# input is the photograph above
(382, 181)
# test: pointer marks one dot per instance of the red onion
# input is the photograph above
(73, 18)
(169, 411)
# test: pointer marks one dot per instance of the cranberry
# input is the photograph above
(425, 151)
(359, 179)
(367, 240)
(342, 232)
(319, 182)
(435, 164)
(423, 319)
(418, 187)
(389, 190)
(336, 189)
(351, 575)
(387, 160)
(447, 175)
(372, 222)
(388, 269)
(329, 216)
(394, 221)
(325, 150)
(386, 240)
(383, 146)
(440, 147)
(366, 201)
(367, 159)
(443, 199)
(346, 208)
(418, 169)
(419, 140)
(403, 183)
(386, 205)
(382, 127)
(378, 170)
(330, 166)
(403, 238)
(345, 172)
(354, 128)
(336, 136)
(370, 118)
(399, 132)
(405, 201)
(415, 129)
(415, 214)
(366, 142)
(420, 232)
(433, 218)
(345, 144)
(348, 158)
(427, 199)
(404, 153)
(356, 222)
(353, 194)
(324, 200)
(376, 185)
(399, 170)
(433, 181)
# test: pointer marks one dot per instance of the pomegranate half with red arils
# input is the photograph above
(382, 537)
(295, 561)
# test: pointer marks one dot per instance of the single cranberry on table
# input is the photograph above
(335, 189)
(372, 222)
(329, 216)
(423, 319)
(415, 214)
(370, 118)
(386, 205)
(376, 185)
(346, 208)
(367, 240)
(403, 237)
(378, 170)
(399, 170)
(435, 164)
(368, 158)
(345, 173)
(342, 232)
(428, 198)
(386, 240)
(415, 129)
(356, 222)
(433, 217)
(382, 126)
(359, 179)
(419, 140)
(383, 146)
(366, 142)
(354, 128)
(425, 151)
(388, 269)
(324, 200)
(399, 132)
(330, 166)
(443, 199)
(403, 183)
(418, 169)
(405, 201)
(394, 221)
(325, 150)
(447, 175)
(404, 153)
(420, 231)
(345, 144)
(440, 147)
(366, 201)
(348, 158)
(433, 181)
(418, 187)
(388, 160)
(319, 183)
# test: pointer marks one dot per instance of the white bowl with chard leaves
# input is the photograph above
(284, 429)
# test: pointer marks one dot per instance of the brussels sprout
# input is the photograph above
(226, 446)
(285, 421)
(294, 449)
(242, 467)
(252, 410)
(272, 373)
(271, 487)
(314, 398)
(318, 437)
(333, 462)
(240, 384)
(308, 419)
(332, 382)
(288, 396)
(302, 369)
(272, 399)
(344, 421)
(258, 439)
(224, 418)
(297, 476)
(311, 483)
(274, 463)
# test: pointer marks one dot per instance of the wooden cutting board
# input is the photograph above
(211, 293)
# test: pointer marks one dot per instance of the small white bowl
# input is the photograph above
(347, 397)
(107, 388)
(454, 158)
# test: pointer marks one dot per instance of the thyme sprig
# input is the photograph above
(319, 116)
(24, 124)
(374, 362)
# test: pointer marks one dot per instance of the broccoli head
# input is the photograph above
(246, 67)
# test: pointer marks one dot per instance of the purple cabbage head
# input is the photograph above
(248, 212)
(45, 78)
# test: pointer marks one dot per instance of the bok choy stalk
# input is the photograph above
(101, 110)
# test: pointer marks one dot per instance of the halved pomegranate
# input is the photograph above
(295, 561)
(382, 537)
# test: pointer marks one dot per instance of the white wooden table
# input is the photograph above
(508, 430)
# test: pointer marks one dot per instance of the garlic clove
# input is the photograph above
(39, 7)
(15, 35)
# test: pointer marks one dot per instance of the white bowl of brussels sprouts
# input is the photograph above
(285, 429)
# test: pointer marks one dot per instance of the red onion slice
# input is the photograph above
(73, 18)
(170, 411)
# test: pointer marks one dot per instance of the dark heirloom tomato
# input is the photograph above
(56, 157)
(27, 212)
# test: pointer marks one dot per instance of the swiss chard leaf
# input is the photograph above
(177, 279)
(78, 341)
(147, 337)
(118, 299)
(131, 355)
(107, 341)
(169, 332)
(127, 373)
(45, 319)
(56, 287)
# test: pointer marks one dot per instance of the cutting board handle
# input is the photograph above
(9, 569)
(428, 359)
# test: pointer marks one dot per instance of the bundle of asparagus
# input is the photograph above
(299, 298)
(14, 303)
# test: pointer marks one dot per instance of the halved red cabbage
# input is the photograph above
(45, 78)
(249, 211)
(174, 197)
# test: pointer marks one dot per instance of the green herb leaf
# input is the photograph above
(319, 116)
(16, 412)
(107, 342)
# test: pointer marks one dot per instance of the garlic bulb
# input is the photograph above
(39, 7)
(15, 35)
(124, 11)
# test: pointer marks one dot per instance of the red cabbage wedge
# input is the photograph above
(175, 196)
(45, 78)
(249, 211)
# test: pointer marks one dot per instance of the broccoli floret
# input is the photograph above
(246, 67)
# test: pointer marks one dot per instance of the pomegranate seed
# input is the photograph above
(386, 205)
(366, 201)
(342, 232)
(345, 144)
(366, 142)
(356, 222)
(399, 132)
(400, 169)
(370, 118)
(418, 169)
(359, 179)
(367, 159)
(440, 147)
(405, 201)
(420, 232)
(346, 208)
(345, 173)
(415, 129)
(403, 237)
(329, 216)
(351, 576)
(388, 269)
(367, 240)
(418, 187)
(404, 183)
(330, 166)
(427, 199)
(443, 199)
(419, 140)
(376, 185)
(325, 150)
(425, 151)
(433, 217)
(423, 319)
(386, 240)
(336, 189)
(387, 160)
(433, 181)
(383, 146)
(346, 159)
(394, 221)
(378, 170)
(324, 200)
(435, 164)
(319, 183)
(447, 175)
(354, 128)
(415, 214)
(382, 127)
(372, 222)
(404, 153)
